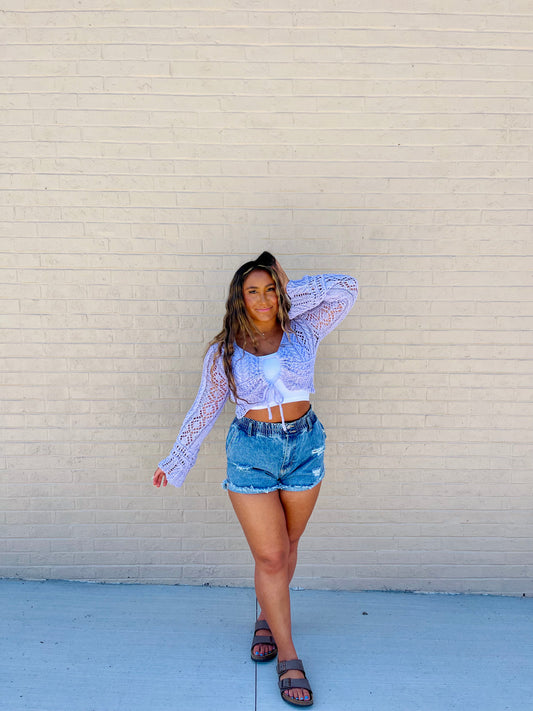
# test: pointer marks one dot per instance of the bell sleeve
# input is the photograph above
(210, 400)
(322, 301)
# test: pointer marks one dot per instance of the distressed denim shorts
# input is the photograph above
(263, 457)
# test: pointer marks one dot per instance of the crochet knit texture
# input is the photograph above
(318, 304)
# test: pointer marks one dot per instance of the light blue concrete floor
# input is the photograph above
(93, 647)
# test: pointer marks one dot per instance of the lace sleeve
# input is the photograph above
(208, 405)
(322, 300)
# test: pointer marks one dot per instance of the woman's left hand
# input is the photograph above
(159, 478)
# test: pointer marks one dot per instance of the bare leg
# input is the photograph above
(296, 517)
(273, 524)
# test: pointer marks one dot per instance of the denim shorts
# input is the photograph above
(263, 457)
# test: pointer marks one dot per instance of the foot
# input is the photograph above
(261, 650)
(293, 684)
(295, 693)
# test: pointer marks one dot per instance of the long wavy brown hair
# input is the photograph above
(236, 322)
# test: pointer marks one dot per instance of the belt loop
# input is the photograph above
(309, 418)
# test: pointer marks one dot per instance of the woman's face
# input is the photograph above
(260, 298)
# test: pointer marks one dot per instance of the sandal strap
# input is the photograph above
(263, 639)
(287, 683)
(261, 625)
(290, 665)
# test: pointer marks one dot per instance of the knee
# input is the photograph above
(293, 545)
(273, 560)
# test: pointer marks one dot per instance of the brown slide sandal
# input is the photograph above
(263, 639)
(287, 683)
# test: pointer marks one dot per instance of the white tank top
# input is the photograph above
(278, 393)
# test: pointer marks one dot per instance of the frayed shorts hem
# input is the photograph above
(226, 484)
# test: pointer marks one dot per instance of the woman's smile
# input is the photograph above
(260, 297)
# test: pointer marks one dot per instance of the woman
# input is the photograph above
(263, 360)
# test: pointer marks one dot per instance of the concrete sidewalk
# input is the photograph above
(96, 647)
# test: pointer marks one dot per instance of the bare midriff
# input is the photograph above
(291, 411)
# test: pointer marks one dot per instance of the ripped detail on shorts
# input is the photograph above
(264, 457)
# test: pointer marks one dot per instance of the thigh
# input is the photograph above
(298, 507)
(262, 517)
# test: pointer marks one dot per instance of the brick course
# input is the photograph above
(146, 155)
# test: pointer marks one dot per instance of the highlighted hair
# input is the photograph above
(236, 322)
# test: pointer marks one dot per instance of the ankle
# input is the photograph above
(286, 655)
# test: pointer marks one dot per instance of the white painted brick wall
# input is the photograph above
(146, 154)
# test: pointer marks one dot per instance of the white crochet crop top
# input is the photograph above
(318, 305)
